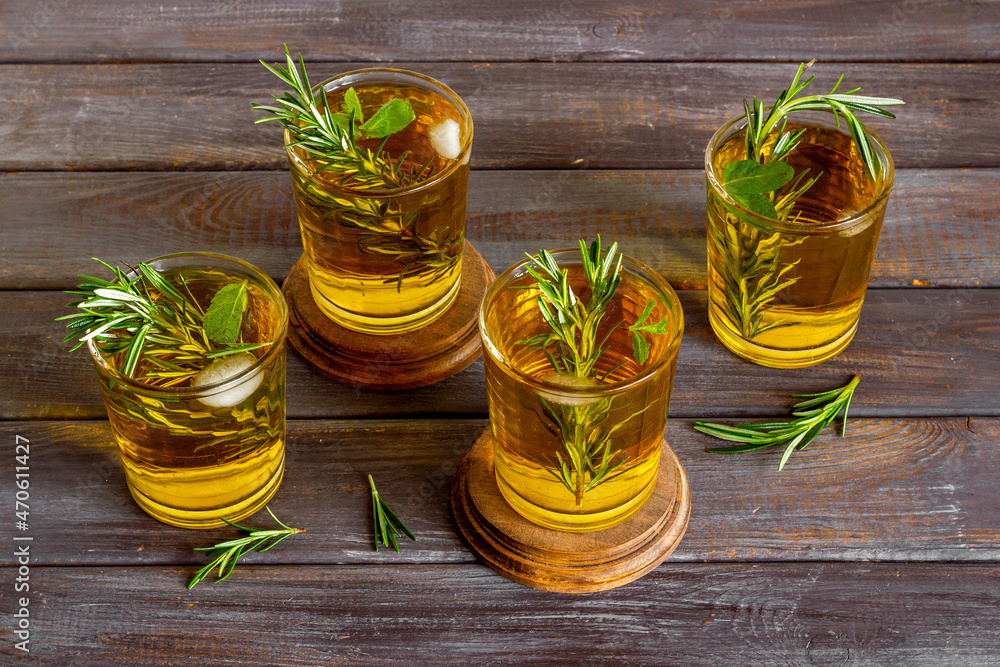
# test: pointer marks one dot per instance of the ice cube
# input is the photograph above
(446, 138)
(230, 393)
(569, 382)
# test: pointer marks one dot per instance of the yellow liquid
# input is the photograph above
(528, 441)
(815, 317)
(387, 261)
(189, 462)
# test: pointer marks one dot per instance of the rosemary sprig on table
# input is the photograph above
(764, 183)
(225, 555)
(585, 458)
(151, 320)
(813, 414)
(388, 526)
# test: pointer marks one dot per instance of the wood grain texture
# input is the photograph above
(919, 352)
(382, 30)
(55, 221)
(533, 115)
(892, 489)
(697, 614)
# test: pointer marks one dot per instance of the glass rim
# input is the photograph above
(653, 278)
(371, 75)
(801, 228)
(193, 392)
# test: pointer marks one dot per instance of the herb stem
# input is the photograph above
(585, 458)
(388, 526)
(813, 414)
(225, 555)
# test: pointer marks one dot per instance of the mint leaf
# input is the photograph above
(759, 204)
(645, 314)
(353, 105)
(640, 346)
(225, 314)
(341, 120)
(392, 117)
(658, 328)
(748, 177)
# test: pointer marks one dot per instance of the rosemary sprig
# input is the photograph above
(585, 458)
(331, 137)
(760, 126)
(226, 554)
(813, 414)
(381, 227)
(750, 253)
(388, 526)
(573, 323)
(752, 274)
(756, 181)
(151, 320)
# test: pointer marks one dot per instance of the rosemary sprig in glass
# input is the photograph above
(388, 526)
(812, 415)
(225, 555)
(152, 321)
(585, 458)
(330, 137)
(751, 268)
(760, 126)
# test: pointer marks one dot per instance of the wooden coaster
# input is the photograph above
(399, 361)
(564, 562)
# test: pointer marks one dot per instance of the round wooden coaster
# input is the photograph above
(400, 361)
(564, 562)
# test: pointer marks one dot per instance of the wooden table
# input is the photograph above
(127, 133)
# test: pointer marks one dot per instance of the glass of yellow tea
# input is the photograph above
(383, 220)
(578, 412)
(796, 196)
(788, 293)
(200, 425)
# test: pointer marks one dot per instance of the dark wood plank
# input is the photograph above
(781, 614)
(380, 30)
(919, 352)
(892, 489)
(56, 221)
(535, 115)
